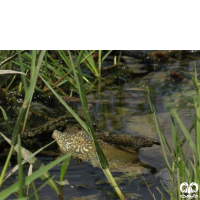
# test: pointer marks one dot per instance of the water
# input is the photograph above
(124, 109)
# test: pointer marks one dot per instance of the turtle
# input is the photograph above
(83, 148)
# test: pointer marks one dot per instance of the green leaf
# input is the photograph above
(8, 191)
(6, 120)
(63, 168)
(20, 170)
(182, 126)
(27, 155)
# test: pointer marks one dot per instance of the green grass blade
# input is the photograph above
(85, 57)
(8, 60)
(65, 105)
(163, 142)
(45, 65)
(20, 170)
(197, 128)
(26, 159)
(99, 62)
(8, 191)
(6, 165)
(28, 97)
(27, 155)
(63, 56)
(82, 94)
(22, 70)
(7, 88)
(90, 64)
(106, 55)
(6, 120)
(63, 168)
(21, 118)
(174, 137)
(162, 138)
(182, 126)
(102, 159)
(195, 81)
(190, 129)
(35, 190)
(33, 66)
(119, 57)
(33, 62)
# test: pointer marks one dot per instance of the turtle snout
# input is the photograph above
(54, 135)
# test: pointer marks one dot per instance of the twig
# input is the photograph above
(113, 66)
(152, 194)
(161, 193)
(11, 57)
(46, 89)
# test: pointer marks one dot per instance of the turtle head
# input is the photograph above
(80, 143)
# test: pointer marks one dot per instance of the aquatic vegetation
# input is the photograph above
(184, 165)
(29, 84)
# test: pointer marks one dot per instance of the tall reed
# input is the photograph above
(183, 164)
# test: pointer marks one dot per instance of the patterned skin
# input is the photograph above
(83, 148)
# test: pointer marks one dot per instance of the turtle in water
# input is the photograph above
(83, 148)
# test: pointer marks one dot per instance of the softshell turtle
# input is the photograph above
(83, 148)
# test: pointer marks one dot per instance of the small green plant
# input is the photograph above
(42, 171)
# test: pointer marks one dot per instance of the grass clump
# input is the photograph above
(41, 72)
(183, 163)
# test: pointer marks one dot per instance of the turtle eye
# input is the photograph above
(79, 141)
